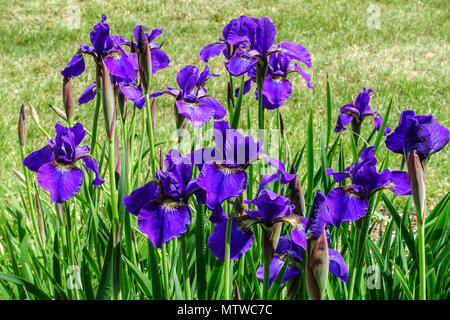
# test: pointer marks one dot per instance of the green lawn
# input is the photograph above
(406, 59)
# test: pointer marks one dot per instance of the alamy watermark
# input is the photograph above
(373, 19)
(73, 17)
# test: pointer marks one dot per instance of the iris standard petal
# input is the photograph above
(62, 181)
(240, 63)
(337, 176)
(219, 110)
(160, 59)
(337, 265)
(296, 52)
(399, 183)
(187, 78)
(198, 113)
(211, 50)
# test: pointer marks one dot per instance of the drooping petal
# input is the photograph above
(221, 182)
(62, 181)
(211, 50)
(378, 121)
(275, 267)
(121, 67)
(81, 151)
(91, 164)
(265, 180)
(277, 89)
(241, 62)
(75, 67)
(298, 234)
(219, 110)
(88, 94)
(396, 140)
(38, 158)
(241, 241)
(286, 245)
(218, 215)
(318, 218)
(197, 113)
(134, 94)
(296, 52)
(270, 206)
(279, 166)
(343, 121)
(337, 176)
(346, 204)
(160, 59)
(140, 197)
(162, 222)
(400, 183)
(337, 265)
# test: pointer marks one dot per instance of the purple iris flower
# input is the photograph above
(312, 228)
(223, 166)
(191, 99)
(161, 205)
(349, 203)
(55, 163)
(415, 132)
(284, 248)
(357, 111)
(271, 208)
(276, 86)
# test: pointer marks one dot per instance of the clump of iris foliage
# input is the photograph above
(126, 213)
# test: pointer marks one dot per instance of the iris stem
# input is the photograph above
(112, 181)
(422, 261)
(187, 286)
(150, 133)
(266, 243)
(165, 271)
(226, 270)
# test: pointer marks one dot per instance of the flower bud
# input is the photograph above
(108, 101)
(296, 195)
(19, 175)
(59, 112)
(416, 176)
(145, 62)
(34, 115)
(122, 102)
(22, 126)
(68, 100)
(317, 267)
(153, 113)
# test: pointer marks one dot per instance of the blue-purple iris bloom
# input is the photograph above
(223, 167)
(357, 111)
(161, 205)
(108, 49)
(349, 203)
(416, 132)
(271, 208)
(55, 163)
(191, 99)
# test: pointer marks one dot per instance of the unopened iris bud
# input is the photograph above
(122, 102)
(317, 267)
(34, 115)
(108, 101)
(19, 175)
(153, 113)
(59, 112)
(416, 176)
(296, 195)
(68, 100)
(22, 127)
(145, 63)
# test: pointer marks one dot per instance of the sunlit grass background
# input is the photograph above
(406, 59)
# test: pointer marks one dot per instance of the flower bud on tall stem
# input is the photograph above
(68, 100)
(317, 266)
(145, 62)
(416, 176)
(109, 104)
(22, 126)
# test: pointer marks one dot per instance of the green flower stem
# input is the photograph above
(187, 286)
(165, 271)
(150, 133)
(266, 244)
(112, 181)
(31, 214)
(200, 238)
(226, 270)
(422, 261)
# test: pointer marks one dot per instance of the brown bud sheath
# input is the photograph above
(122, 102)
(145, 62)
(237, 295)
(108, 101)
(416, 176)
(296, 195)
(317, 267)
(153, 114)
(22, 127)
(281, 125)
(68, 100)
